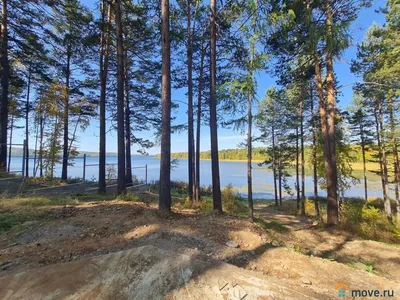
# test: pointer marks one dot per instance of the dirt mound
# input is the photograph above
(146, 273)
(127, 250)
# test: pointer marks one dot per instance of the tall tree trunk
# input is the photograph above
(364, 162)
(217, 203)
(380, 139)
(36, 144)
(53, 149)
(5, 73)
(104, 54)
(321, 103)
(198, 128)
(250, 138)
(10, 143)
(303, 194)
(280, 181)
(41, 144)
(64, 172)
(331, 168)
(314, 153)
(191, 166)
(297, 169)
(326, 140)
(121, 186)
(165, 162)
(249, 158)
(274, 164)
(27, 108)
(388, 208)
(395, 155)
(129, 180)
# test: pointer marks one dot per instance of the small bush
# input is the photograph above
(379, 204)
(232, 203)
(367, 221)
(206, 204)
(187, 204)
(129, 197)
(310, 207)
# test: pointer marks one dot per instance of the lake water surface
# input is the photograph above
(234, 173)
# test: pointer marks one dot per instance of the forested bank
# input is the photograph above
(261, 154)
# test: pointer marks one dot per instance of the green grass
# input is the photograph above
(10, 219)
(18, 210)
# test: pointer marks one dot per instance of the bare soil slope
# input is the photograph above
(124, 250)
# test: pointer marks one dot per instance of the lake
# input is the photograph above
(231, 172)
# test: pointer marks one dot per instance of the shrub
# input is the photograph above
(187, 203)
(129, 197)
(232, 203)
(379, 204)
(310, 207)
(206, 204)
(367, 221)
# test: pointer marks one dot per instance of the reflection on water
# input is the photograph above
(234, 173)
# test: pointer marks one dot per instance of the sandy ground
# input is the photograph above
(125, 250)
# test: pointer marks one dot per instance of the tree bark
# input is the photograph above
(5, 73)
(303, 196)
(217, 203)
(364, 162)
(381, 149)
(280, 182)
(297, 169)
(104, 54)
(191, 166)
(35, 164)
(10, 142)
(27, 108)
(198, 128)
(41, 143)
(330, 162)
(332, 218)
(388, 208)
(314, 153)
(165, 161)
(121, 186)
(249, 158)
(129, 180)
(64, 172)
(395, 155)
(53, 152)
(250, 139)
(274, 165)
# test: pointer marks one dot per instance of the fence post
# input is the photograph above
(23, 158)
(146, 174)
(84, 167)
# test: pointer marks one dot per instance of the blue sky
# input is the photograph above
(89, 140)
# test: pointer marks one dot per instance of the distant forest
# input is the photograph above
(261, 154)
(18, 152)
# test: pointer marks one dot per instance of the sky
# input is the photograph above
(228, 138)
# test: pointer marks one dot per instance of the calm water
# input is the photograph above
(234, 173)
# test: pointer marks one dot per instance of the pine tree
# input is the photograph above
(361, 126)
(71, 38)
(121, 186)
(165, 162)
(216, 187)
